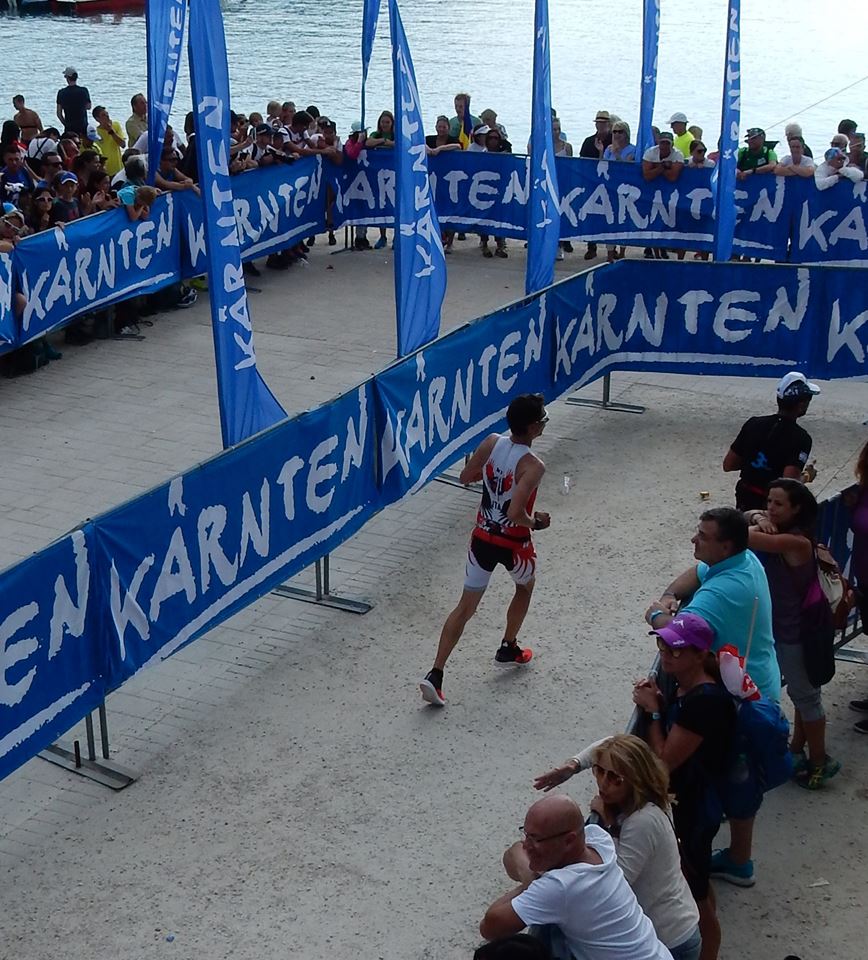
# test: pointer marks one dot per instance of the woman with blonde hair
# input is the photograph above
(633, 805)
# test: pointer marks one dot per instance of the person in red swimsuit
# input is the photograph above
(510, 476)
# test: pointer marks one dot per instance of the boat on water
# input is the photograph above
(76, 7)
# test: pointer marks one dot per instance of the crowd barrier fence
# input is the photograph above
(103, 259)
(131, 587)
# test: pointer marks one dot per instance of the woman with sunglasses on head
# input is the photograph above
(633, 805)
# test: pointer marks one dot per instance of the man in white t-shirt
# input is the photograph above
(574, 895)
(663, 160)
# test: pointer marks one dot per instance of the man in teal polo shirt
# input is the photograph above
(723, 588)
(728, 588)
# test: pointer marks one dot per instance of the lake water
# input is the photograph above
(793, 54)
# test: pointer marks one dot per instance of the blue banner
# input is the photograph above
(420, 266)
(370, 16)
(713, 318)
(730, 117)
(191, 552)
(543, 223)
(829, 225)
(94, 262)
(164, 23)
(438, 403)
(8, 326)
(650, 44)
(275, 208)
(246, 404)
(599, 201)
(138, 583)
(105, 258)
(52, 665)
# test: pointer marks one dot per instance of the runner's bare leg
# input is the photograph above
(517, 610)
(455, 624)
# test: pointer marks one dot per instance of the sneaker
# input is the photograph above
(500, 252)
(817, 777)
(860, 706)
(648, 253)
(129, 332)
(332, 238)
(431, 692)
(460, 236)
(861, 726)
(591, 252)
(380, 243)
(200, 283)
(487, 253)
(513, 653)
(188, 299)
(722, 868)
(800, 764)
(567, 246)
(251, 269)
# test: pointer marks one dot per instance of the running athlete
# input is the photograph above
(510, 476)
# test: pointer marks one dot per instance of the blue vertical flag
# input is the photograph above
(164, 23)
(370, 16)
(730, 116)
(543, 209)
(650, 43)
(420, 267)
(246, 404)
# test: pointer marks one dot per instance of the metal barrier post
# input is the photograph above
(104, 771)
(322, 594)
(452, 481)
(606, 402)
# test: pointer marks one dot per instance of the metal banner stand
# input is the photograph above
(606, 403)
(843, 651)
(322, 594)
(104, 771)
(452, 481)
(349, 242)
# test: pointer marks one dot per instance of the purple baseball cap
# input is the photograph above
(687, 630)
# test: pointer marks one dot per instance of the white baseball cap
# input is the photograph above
(796, 384)
(678, 118)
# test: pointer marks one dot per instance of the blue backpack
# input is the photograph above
(760, 758)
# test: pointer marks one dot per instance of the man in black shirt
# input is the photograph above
(592, 149)
(73, 104)
(767, 448)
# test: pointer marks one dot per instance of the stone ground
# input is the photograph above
(295, 798)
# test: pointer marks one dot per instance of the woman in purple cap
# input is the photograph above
(692, 736)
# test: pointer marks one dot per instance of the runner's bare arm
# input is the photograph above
(473, 468)
(529, 476)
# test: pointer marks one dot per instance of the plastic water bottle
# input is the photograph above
(566, 485)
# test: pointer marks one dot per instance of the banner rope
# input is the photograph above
(817, 104)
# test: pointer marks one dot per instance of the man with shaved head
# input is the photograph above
(571, 892)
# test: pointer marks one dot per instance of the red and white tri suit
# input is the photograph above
(495, 538)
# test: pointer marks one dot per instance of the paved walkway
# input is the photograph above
(295, 797)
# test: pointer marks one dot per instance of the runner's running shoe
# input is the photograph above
(431, 692)
(513, 653)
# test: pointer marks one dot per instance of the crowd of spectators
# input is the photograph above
(54, 174)
(735, 627)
